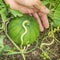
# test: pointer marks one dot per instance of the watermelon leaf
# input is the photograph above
(1, 43)
(3, 14)
(16, 13)
(57, 16)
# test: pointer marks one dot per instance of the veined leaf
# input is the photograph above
(57, 16)
(3, 13)
(57, 13)
(15, 13)
(45, 2)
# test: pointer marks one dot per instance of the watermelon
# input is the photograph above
(23, 28)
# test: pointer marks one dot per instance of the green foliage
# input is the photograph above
(45, 55)
(0, 24)
(15, 13)
(57, 16)
(1, 43)
(54, 7)
(6, 11)
(3, 14)
(3, 10)
(3, 47)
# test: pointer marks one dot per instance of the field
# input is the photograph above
(46, 46)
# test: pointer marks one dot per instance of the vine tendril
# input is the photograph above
(47, 44)
(24, 26)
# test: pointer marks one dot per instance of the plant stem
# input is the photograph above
(23, 56)
(12, 41)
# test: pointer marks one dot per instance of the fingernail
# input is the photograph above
(44, 10)
(41, 29)
(47, 26)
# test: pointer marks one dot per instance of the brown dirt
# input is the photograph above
(54, 53)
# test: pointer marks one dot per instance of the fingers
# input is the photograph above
(15, 6)
(44, 19)
(42, 8)
(23, 9)
(26, 3)
(39, 22)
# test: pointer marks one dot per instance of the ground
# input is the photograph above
(54, 50)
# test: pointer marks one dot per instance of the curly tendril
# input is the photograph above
(24, 26)
(47, 44)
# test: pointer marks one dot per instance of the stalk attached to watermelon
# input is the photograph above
(23, 24)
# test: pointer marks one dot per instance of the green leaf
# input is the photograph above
(57, 13)
(1, 40)
(0, 1)
(45, 2)
(7, 48)
(57, 16)
(16, 13)
(3, 14)
(2, 4)
(1, 43)
(0, 25)
(3, 11)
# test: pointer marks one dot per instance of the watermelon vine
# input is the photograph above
(25, 28)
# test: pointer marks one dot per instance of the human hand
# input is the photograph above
(33, 8)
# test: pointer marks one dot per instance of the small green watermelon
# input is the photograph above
(23, 28)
